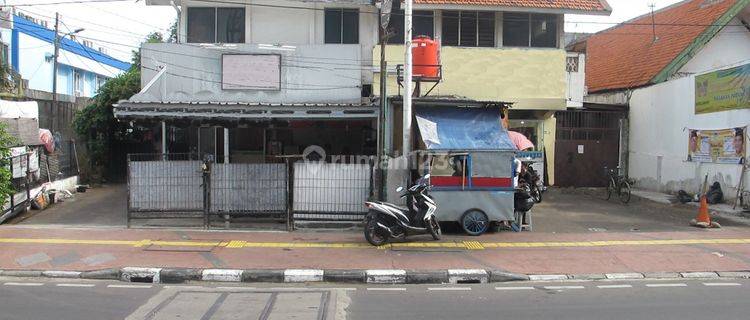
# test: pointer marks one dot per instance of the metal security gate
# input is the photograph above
(586, 142)
(331, 191)
(249, 188)
(168, 186)
(183, 186)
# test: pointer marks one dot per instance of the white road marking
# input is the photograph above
(24, 284)
(721, 284)
(513, 288)
(183, 287)
(615, 286)
(130, 286)
(665, 285)
(238, 288)
(386, 289)
(449, 289)
(75, 285)
(563, 287)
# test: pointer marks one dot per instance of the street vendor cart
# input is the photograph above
(470, 159)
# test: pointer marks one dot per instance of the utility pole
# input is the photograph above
(385, 17)
(407, 81)
(54, 70)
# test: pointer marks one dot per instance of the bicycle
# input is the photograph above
(618, 184)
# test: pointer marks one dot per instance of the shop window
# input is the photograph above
(468, 28)
(422, 24)
(529, 30)
(216, 25)
(342, 26)
(449, 170)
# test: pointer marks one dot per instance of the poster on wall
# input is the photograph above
(723, 90)
(717, 146)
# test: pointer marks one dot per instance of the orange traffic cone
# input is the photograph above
(703, 219)
(703, 216)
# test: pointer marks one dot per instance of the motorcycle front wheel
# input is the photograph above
(434, 228)
(373, 234)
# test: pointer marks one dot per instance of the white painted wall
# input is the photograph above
(33, 67)
(575, 88)
(730, 46)
(196, 75)
(660, 115)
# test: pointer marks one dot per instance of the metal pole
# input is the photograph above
(406, 147)
(164, 140)
(226, 145)
(382, 114)
(54, 69)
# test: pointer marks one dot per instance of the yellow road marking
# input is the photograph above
(468, 245)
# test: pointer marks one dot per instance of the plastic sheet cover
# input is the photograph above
(456, 128)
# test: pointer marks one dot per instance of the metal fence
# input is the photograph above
(22, 168)
(249, 188)
(331, 191)
(165, 186)
(188, 186)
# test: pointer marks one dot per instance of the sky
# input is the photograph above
(119, 27)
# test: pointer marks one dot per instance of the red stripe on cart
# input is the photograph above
(483, 182)
(447, 181)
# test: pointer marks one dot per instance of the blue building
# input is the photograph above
(28, 47)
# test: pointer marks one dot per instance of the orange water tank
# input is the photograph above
(425, 57)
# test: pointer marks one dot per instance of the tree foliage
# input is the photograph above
(6, 176)
(96, 123)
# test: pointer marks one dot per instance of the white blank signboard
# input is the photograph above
(251, 71)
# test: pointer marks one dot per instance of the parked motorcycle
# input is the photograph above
(531, 180)
(386, 221)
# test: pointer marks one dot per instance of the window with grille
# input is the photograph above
(342, 26)
(468, 28)
(529, 30)
(571, 64)
(215, 25)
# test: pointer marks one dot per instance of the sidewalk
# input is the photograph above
(725, 209)
(81, 249)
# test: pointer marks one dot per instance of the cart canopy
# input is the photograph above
(462, 128)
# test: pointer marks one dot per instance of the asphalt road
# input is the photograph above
(647, 299)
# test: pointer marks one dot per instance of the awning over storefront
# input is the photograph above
(460, 128)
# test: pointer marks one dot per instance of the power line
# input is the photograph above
(59, 3)
(88, 54)
(242, 85)
(244, 4)
(103, 29)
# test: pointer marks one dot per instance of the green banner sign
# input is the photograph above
(723, 90)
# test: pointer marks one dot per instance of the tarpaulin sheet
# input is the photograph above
(457, 128)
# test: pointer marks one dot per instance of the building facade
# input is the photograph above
(268, 78)
(28, 48)
(498, 50)
(685, 124)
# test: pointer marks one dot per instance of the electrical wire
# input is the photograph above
(398, 14)
(59, 3)
(244, 86)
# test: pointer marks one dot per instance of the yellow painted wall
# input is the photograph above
(531, 78)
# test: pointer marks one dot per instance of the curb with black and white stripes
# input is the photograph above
(372, 276)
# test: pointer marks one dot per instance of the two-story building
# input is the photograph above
(27, 46)
(252, 80)
(496, 51)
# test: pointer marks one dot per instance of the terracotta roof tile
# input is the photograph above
(626, 56)
(585, 5)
